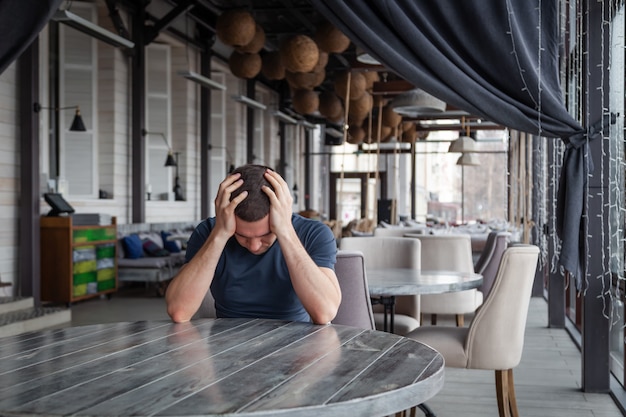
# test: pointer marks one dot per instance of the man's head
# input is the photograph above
(256, 205)
(252, 214)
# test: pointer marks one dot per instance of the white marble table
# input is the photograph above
(215, 367)
(386, 283)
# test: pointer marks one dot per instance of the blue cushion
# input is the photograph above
(170, 245)
(132, 246)
(152, 249)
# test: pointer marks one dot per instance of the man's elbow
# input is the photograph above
(324, 317)
(177, 315)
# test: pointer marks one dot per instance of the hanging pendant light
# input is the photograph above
(463, 144)
(468, 159)
(416, 102)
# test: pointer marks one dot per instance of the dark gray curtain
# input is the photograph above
(20, 23)
(494, 58)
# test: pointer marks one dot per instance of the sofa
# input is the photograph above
(147, 253)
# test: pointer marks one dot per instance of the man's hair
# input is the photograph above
(257, 204)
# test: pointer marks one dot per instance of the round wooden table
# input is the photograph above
(215, 367)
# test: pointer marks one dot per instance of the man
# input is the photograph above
(256, 257)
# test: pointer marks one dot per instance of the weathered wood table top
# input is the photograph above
(215, 367)
(408, 281)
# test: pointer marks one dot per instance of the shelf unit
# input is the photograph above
(77, 262)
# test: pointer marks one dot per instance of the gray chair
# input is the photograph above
(395, 252)
(355, 308)
(489, 261)
(494, 339)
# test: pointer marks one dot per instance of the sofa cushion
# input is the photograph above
(133, 247)
(172, 246)
(152, 249)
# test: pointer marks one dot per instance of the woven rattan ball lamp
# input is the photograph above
(372, 136)
(244, 65)
(322, 61)
(390, 117)
(356, 134)
(301, 80)
(235, 27)
(370, 78)
(409, 136)
(357, 84)
(305, 101)
(272, 66)
(330, 105)
(331, 39)
(299, 53)
(256, 44)
(361, 108)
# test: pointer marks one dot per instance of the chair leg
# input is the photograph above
(512, 398)
(460, 320)
(433, 319)
(503, 390)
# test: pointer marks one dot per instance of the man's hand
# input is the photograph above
(280, 203)
(225, 208)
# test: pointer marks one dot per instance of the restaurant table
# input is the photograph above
(385, 284)
(215, 367)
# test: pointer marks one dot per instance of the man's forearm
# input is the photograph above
(317, 288)
(187, 290)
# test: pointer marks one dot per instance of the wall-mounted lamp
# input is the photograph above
(285, 118)
(202, 80)
(77, 124)
(169, 161)
(90, 28)
(249, 102)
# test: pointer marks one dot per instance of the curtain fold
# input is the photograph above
(20, 23)
(493, 58)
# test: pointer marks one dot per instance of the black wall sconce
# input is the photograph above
(169, 161)
(77, 124)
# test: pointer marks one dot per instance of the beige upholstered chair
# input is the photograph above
(395, 252)
(487, 264)
(495, 338)
(355, 308)
(450, 252)
(398, 231)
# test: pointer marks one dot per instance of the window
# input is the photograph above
(78, 73)
(158, 120)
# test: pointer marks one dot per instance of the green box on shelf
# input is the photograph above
(85, 277)
(85, 266)
(105, 251)
(106, 274)
(79, 290)
(106, 285)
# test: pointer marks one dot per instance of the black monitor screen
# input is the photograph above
(58, 204)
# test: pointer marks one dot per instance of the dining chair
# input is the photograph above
(494, 339)
(398, 231)
(487, 264)
(448, 252)
(207, 308)
(397, 252)
(355, 308)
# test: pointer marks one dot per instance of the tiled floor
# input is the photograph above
(547, 381)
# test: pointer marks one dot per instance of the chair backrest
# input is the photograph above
(489, 261)
(207, 308)
(398, 231)
(355, 308)
(382, 252)
(396, 252)
(496, 334)
(450, 252)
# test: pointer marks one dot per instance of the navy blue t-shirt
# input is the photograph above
(248, 285)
